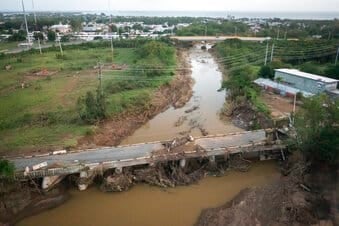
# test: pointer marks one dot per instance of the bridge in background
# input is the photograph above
(217, 38)
(259, 143)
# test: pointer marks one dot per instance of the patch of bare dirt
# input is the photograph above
(177, 94)
(278, 105)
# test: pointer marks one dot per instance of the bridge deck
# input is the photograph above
(217, 38)
(129, 155)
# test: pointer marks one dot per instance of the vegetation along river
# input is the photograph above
(144, 205)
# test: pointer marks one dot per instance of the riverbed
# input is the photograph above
(206, 98)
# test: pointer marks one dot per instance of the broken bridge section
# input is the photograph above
(257, 142)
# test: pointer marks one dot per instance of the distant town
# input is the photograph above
(66, 27)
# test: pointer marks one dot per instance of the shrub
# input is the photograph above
(266, 72)
(6, 168)
(92, 108)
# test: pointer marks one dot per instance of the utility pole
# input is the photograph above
(235, 31)
(100, 77)
(35, 20)
(278, 33)
(266, 55)
(112, 49)
(206, 30)
(25, 18)
(110, 13)
(61, 51)
(39, 45)
(294, 103)
(336, 58)
(272, 52)
(36, 25)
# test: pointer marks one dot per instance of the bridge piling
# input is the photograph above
(182, 163)
(86, 178)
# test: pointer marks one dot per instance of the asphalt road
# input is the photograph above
(218, 38)
(136, 151)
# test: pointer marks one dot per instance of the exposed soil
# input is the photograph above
(177, 94)
(278, 105)
(245, 117)
(291, 200)
(20, 200)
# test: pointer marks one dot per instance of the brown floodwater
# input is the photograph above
(207, 77)
(144, 205)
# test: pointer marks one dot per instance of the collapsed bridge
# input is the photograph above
(54, 166)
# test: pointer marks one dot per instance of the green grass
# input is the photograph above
(58, 136)
(8, 45)
(43, 114)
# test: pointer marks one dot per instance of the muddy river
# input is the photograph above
(146, 206)
(206, 99)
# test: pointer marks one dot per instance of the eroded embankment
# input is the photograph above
(240, 111)
(23, 199)
(299, 198)
(176, 94)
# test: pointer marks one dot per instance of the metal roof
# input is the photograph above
(307, 75)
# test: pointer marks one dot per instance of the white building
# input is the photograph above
(61, 28)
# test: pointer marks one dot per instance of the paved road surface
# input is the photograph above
(218, 38)
(137, 150)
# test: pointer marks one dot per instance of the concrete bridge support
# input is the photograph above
(212, 164)
(182, 163)
(49, 182)
(118, 170)
(86, 178)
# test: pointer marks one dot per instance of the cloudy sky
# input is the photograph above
(169, 5)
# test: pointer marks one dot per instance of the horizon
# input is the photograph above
(175, 6)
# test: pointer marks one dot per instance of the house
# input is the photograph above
(61, 28)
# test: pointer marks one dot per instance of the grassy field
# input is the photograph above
(43, 114)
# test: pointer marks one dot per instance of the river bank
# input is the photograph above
(240, 111)
(112, 131)
(301, 197)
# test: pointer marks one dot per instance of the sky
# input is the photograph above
(174, 5)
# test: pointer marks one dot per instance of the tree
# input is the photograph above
(332, 71)
(38, 35)
(51, 36)
(65, 38)
(317, 126)
(266, 72)
(17, 37)
(137, 27)
(76, 24)
(6, 168)
(92, 108)
(113, 28)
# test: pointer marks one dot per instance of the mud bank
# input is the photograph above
(295, 199)
(21, 200)
(177, 93)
